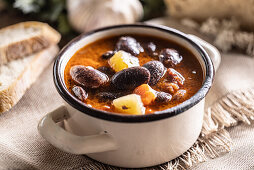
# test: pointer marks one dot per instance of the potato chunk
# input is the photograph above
(122, 60)
(130, 104)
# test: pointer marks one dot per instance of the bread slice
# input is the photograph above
(26, 38)
(18, 75)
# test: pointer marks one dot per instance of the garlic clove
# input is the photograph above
(86, 15)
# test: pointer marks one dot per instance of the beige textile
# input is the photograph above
(21, 147)
(241, 156)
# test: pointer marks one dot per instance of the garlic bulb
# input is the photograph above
(86, 15)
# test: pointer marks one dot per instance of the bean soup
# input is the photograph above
(133, 74)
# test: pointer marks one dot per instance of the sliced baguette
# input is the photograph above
(26, 38)
(18, 75)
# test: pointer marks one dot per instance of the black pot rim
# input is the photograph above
(171, 112)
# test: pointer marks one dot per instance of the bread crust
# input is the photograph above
(10, 96)
(47, 37)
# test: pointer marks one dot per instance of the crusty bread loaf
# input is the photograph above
(18, 75)
(243, 11)
(26, 38)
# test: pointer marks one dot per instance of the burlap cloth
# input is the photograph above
(21, 146)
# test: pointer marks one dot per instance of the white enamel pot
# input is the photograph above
(128, 140)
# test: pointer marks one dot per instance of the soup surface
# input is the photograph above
(181, 78)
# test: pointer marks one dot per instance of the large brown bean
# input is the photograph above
(163, 97)
(88, 76)
(107, 96)
(106, 70)
(170, 57)
(129, 45)
(80, 93)
(131, 78)
(157, 71)
(151, 49)
(108, 54)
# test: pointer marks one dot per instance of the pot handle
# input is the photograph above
(210, 49)
(71, 143)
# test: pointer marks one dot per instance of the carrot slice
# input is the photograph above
(147, 94)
